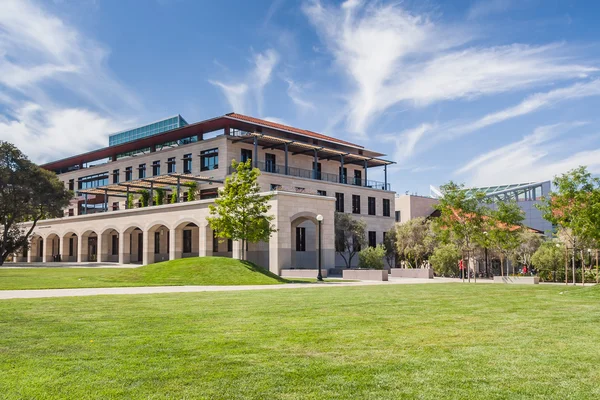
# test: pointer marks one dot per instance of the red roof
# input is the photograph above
(275, 125)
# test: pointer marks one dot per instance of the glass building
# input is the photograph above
(147, 130)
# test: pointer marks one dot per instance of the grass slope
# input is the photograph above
(185, 271)
(443, 341)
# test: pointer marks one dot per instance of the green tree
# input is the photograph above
(27, 193)
(529, 242)
(349, 236)
(129, 201)
(371, 257)
(159, 197)
(549, 259)
(391, 249)
(173, 198)
(412, 240)
(144, 197)
(504, 227)
(240, 211)
(444, 260)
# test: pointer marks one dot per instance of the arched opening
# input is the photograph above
(69, 247)
(110, 246)
(89, 246)
(187, 240)
(132, 246)
(36, 250)
(52, 243)
(304, 241)
(158, 243)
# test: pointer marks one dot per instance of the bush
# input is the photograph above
(444, 260)
(371, 257)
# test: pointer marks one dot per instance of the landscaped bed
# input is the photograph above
(444, 341)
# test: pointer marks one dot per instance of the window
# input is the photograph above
(187, 164)
(358, 177)
(71, 184)
(171, 165)
(128, 174)
(92, 181)
(316, 170)
(229, 245)
(71, 212)
(275, 186)
(115, 205)
(142, 171)
(156, 168)
(114, 245)
(300, 238)
(356, 244)
(386, 207)
(215, 242)
(157, 242)
(115, 175)
(71, 246)
(371, 205)
(209, 159)
(300, 189)
(372, 238)
(212, 193)
(246, 155)
(321, 192)
(339, 202)
(397, 216)
(343, 174)
(355, 204)
(270, 165)
(187, 241)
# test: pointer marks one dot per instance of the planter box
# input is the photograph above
(366, 274)
(523, 280)
(302, 273)
(423, 273)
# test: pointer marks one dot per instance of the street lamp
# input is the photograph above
(320, 220)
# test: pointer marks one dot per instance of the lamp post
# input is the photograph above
(320, 220)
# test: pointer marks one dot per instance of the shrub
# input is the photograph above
(371, 257)
(444, 260)
(174, 198)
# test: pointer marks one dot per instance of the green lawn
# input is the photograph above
(443, 341)
(185, 271)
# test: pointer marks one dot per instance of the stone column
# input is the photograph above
(104, 242)
(100, 244)
(148, 248)
(82, 248)
(44, 249)
(124, 244)
(29, 251)
(175, 244)
(236, 249)
(205, 241)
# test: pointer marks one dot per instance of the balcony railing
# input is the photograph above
(320, 176)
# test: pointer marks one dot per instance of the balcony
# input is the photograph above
(320, 176)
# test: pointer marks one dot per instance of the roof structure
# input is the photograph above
(494, 191)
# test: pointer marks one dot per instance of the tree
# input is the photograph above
(173, 198)
(391, 250)
(129, 201)
(549, 259)
(444, 260)
(412, 240)
(504, 228)
(529, 242)
(240, 211)
(192, 189)
(27, 193)
(371, 257)
(144, 197)
(463, 217)
(349, 236)
(159, 197)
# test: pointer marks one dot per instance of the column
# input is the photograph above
(104, 242)
(366, 166)
(205, 241)
(100, 245)
(44, 249)
(147, 247)
(286, 158)
(81, 248)
(175, 244)
(255, 152)
(124, 244)
(236, 250)
(342, 175)
(316, 161)
(29, 252)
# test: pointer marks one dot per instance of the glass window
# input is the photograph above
(215, 242)
(116, 176)
(171, 165)
(371, 205)
(355, 204)
(157, 242)
(209, 159)
(187, 241)
(386, 207)
(397, 216)
(187, 163)
(115, 245)
(270, 164)
(275, 186)
(71, 184)
(155, 168)
(300, 238)
(142, 171)
(128, 173)
(246, 155)
(343, 174)
(339, 202)
(321, 192)
(372, 238)
(358, 177)
(92, 181)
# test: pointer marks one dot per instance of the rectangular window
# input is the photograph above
(246, 155)
(115, 175)
(211, 193)
(171, 165)
(157, 242)
(321, 192)
(355, 204)
(397, 216)
(229, 245)
(142, 171)
(128, 173)
(155, 168)
(372, 238)
(209, 159)
(270, 165)
(386, 207)
(371, 205)
(339, 202)
(115, 205)
(300, 189)
(343, 174)
(115, 245)
(300, 238)
(358, 177)
(187, 163)
(215, 242)
(275, 186)
(316, 170)
(92, 181)
(71, 184)
(187, 241)
(71, 246)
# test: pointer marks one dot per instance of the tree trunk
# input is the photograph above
(501, 265)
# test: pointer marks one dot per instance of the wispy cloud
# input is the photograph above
(294, 92)
(254, 82)
(393, 56)
(38, 53)
(483, 8)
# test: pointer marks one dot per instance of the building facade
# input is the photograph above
(308, 173)
(410, 206)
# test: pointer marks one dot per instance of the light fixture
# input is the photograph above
(320, 218)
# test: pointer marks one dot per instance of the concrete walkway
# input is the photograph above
(69, 265)
(43, 293)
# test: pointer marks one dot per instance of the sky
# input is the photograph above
(478, 92)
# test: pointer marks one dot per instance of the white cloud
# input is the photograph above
(294, 92)
(393, 56)
(255, 81)
(406, 141)
(483, 8)
(533, 158)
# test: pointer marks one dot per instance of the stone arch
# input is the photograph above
(35, 252)
(158, 242)
(304, 239)
(108, 248)
(131, 244)
(88, 246)
(52, 248)
(69, 246)
(189, 238)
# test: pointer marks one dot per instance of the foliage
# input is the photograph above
(529, 242)
(391, 249)
(27, 193)
(240, 212)
(349, 236)
(173, 198)
(192, 190)
(130, 201)
(504, 228)
(412, 240)
(159, 197)
(549, 259)
(144, 197)
(444, 260)
(371, 257)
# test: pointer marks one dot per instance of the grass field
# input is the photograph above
(185, 271)
(444, 341)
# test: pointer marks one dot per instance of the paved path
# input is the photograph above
(42, 293)
(69, 265)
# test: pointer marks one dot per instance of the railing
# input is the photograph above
(321, 176)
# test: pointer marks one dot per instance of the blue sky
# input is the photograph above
(480, 92)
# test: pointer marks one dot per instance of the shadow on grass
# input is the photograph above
(256, 268)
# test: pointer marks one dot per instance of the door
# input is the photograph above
(270, 163)
(140, 248)
(358, 177)
(92, 249)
